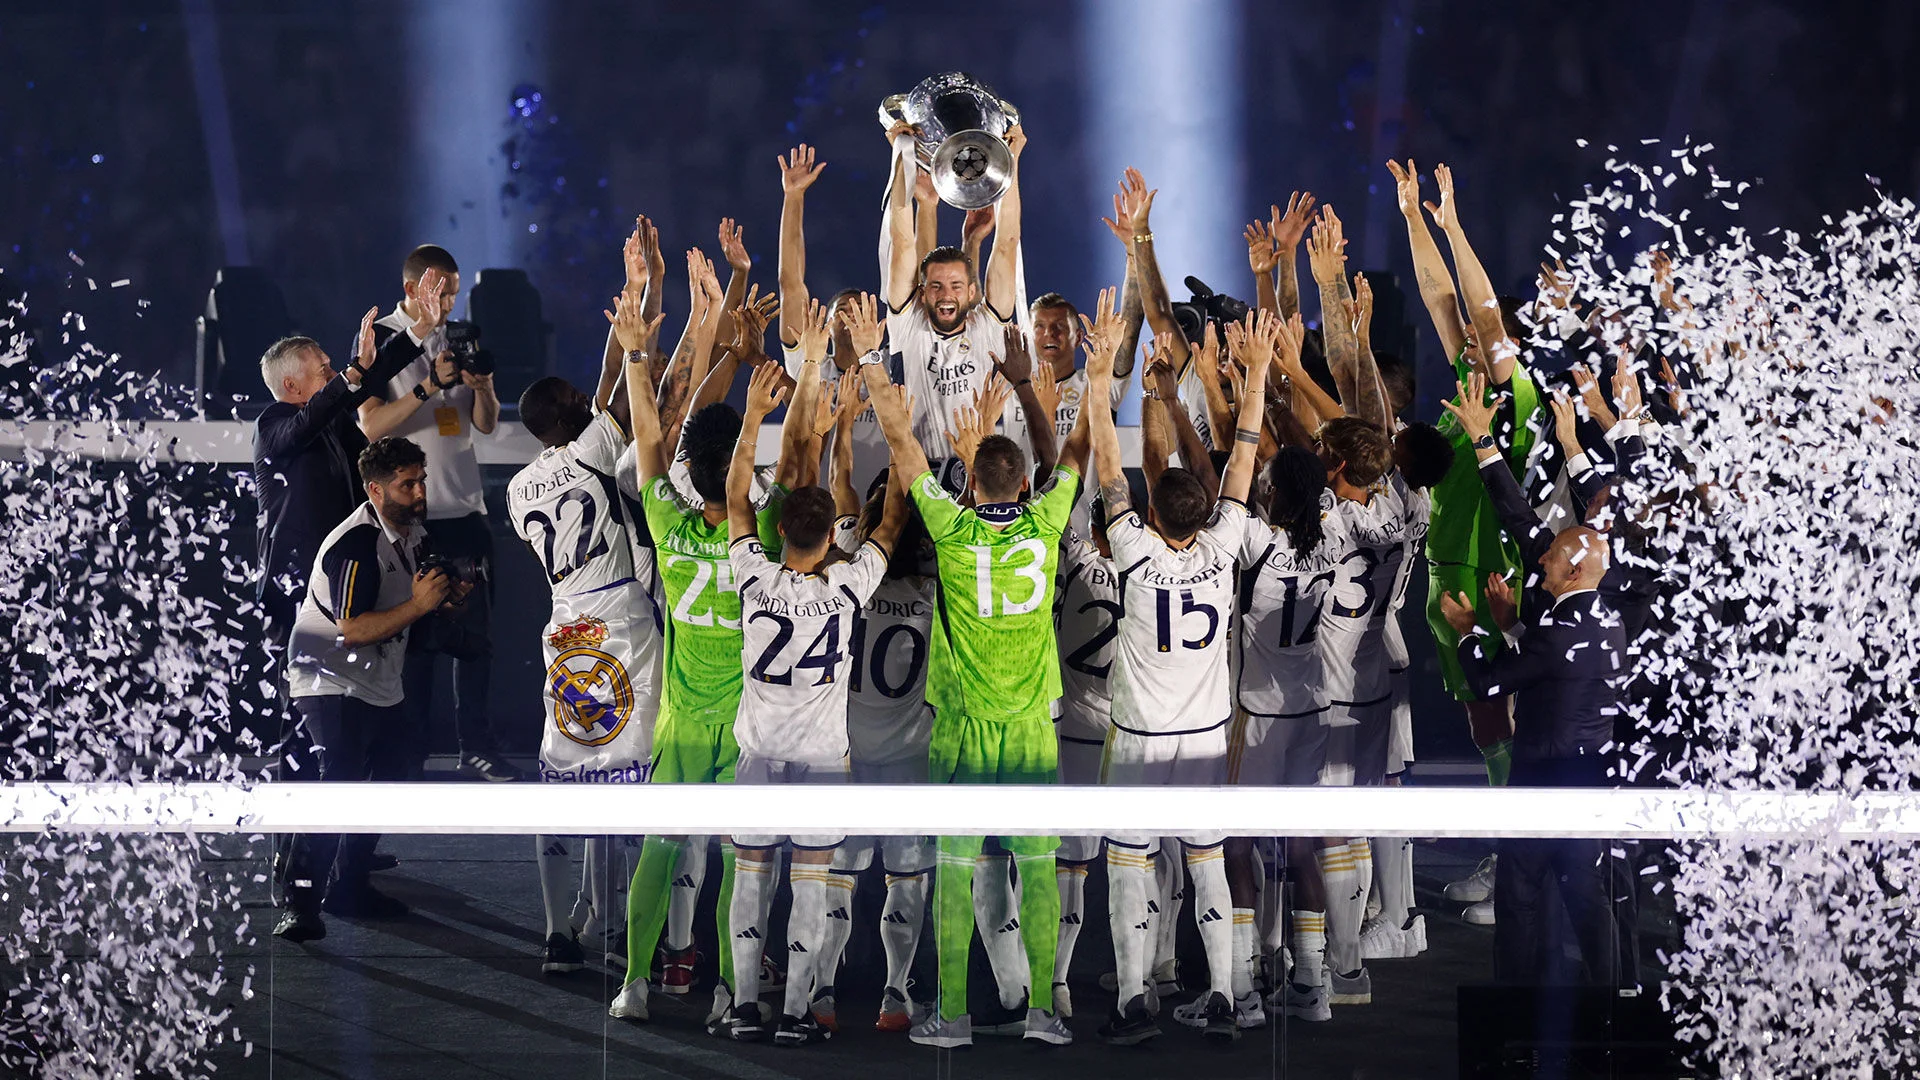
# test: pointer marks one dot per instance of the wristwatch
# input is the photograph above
(876, 356)
(636, 356)
(1484, 442)
(420, 392)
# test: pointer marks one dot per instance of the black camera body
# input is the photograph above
(463, 341)
(1206, 306)
(460, 569)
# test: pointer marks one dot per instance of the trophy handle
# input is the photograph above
(890, 113)
(1013, 114)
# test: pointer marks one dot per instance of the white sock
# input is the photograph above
(1213, 913)
(1393, 878)
(1270, 917)
(1346, 907)
(1244, 946)
(806, 933)
(689, 873)
(747, 921)
(838, 923)
(900, 922)
(1309, 948)
(598, 891)
(1129, 886)
(1170, 880)
(556, 884)
(1071, 878)
(1363, 865)
(996, 912)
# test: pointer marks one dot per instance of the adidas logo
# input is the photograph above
(1070, 919)
(1143, 925)
(684, 881)
(796, 947)
(1212, 915)
(899, 917)
(749, 934)
(1153, 907)
(1012, 925)
(839, 913)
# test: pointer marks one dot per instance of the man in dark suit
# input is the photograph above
(1565, 665)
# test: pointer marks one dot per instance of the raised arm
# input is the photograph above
(1253, 343)
(1261, 258)
(733, 245)
(764, 394)
(380, 417)
(1327, 254)
(904, 259)
(1003, 266)
(890, 406)
(1287, 229)
(893, 513)
(846, 407)
(926, 218)
(798, 171)
(1100, 336)
(1219, 409)
(1429, 268)
(1510, 504)
(687, 370)
(796, 434)
(1016, 367)
(632, 328)
(973, 231)
(1497, 351)
(1369, 392)
(1132, 317)
(1132, 209)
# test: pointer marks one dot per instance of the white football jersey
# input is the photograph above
(797, 628)
(1280, 670)
(566, 505)
(1193, 395)
(1353, 626)
(1073, 393)
(1087, 618)
(888, 718)
(1170, 672)
(943, 371)
(1419, 509)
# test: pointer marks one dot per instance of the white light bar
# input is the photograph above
(955, 809)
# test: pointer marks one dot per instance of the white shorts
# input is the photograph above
(1400, 730)
(1196, 759)
(899, 855)
(1271, 751)
(1357, 748)
(758, 770)
(1080, 765)
(602, 687)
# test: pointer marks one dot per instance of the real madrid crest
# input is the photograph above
(591, 694)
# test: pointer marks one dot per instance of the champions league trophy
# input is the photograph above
(961, 140)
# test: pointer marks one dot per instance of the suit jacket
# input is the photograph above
(306, 469)
(1564, 670)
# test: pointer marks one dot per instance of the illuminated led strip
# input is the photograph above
(956, 809)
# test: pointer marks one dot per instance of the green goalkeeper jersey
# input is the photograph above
(997, 565)
(1465, 530)
(702, 667)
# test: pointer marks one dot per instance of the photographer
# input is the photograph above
(439, 405)
(345, 669)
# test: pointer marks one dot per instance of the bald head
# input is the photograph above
(1576, 560)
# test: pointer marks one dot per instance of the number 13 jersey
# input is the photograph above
(1170, 673)
(797, 629)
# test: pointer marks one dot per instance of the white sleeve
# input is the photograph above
(1130, 539)
(860, 575)
(749, 560)
(600, 446)
(846, 533)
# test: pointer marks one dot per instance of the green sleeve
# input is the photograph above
(938, 510)
(1055, 504)
(663, 507)
(767, 521)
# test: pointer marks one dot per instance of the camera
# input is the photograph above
(463, 341)
(460, 569)
(1206, 306)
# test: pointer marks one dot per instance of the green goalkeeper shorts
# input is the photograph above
(1020, 751)
(688, 752)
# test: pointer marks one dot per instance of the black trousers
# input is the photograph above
(466, 636)
(352, 741)
(1592, 879)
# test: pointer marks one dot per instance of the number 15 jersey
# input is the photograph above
(1170, 673)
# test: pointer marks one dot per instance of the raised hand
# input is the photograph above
(1016, 362)
(1457, 609)
(814, 334)
(1159, 363)
(1590, 396)
(799, 169)
(733, 246)
(1261, 255)
(630, 325)
(1472, 409)
(1287, 340)
(1500, 603)
(1326, 247)
(1406, 183)
(846, 402)
(1556, 289)
(1443, 213)
(1138, 202)
(1016, 140)
(1360, 308)
(1288, 228)
(1676, 399)
(749, 344)
(1566, 423)
(977, 225)
(363, 349)
(633, 256)
(1046, 388)
(864, 328)
(1626, 389)
(427, 302)
(1100, 335)
(765, 392)
(991, 399)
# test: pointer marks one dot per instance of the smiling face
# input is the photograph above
(948, 294)
(1055, 335)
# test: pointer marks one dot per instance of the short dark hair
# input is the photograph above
(907, 549)
(1422, 454)
(1397, 375)
(383, 458)
(806, 518)
(1180, 504)
(1358, 445)
(1055, 300)
(945, 253)
(1510, 308)
(708, 437)
(998, 466)
(427, 257)
(540, 405)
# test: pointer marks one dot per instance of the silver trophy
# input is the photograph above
(961, 140)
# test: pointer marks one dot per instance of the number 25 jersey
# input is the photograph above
(797, 629)
(1170, 673)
